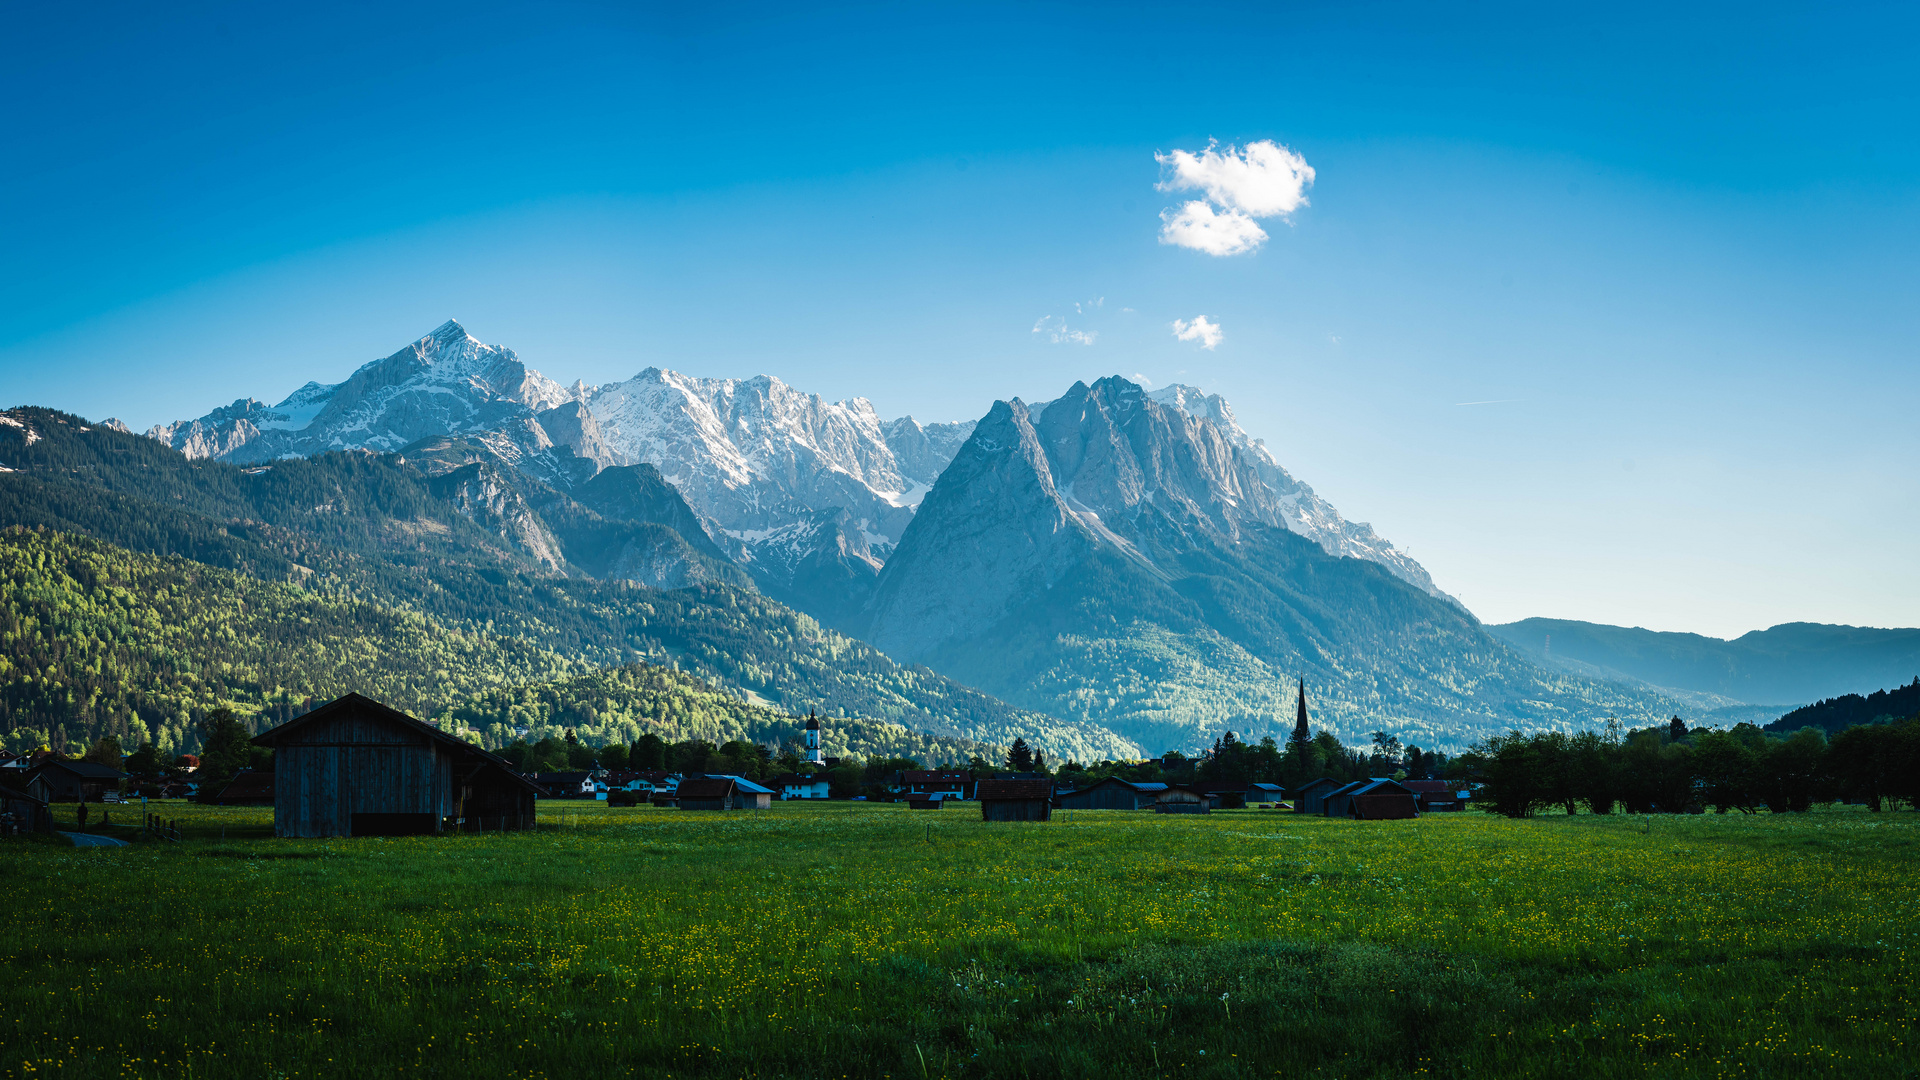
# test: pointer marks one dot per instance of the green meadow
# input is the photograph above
(856, 940)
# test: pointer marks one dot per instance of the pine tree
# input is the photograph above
(1020, 757)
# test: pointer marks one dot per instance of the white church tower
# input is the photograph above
(813, 739)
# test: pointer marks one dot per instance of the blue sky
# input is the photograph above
(1671, 247)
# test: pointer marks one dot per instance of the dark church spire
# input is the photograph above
(1300, 732)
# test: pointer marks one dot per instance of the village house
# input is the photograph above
(945, 783)
(574, 784)
(1111, 793)
(800, 786)
(1015, 800)
(1435, 796)
(354, 767)
(77, 781)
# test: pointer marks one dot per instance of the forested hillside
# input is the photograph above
(96, 640)
(369, 529)
(618, 705)
(1835, 715)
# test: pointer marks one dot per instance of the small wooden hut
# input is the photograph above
(354, 767)
(1182, 800)
(77, 781)
(1382, 799)
(1310, 797)
(22, 809)
(723, 793)
(1015, 800)
(1111, 793)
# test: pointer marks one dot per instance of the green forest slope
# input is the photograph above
(96, 640)
(369, 529)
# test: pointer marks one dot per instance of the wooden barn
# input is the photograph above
(1339, 801)
(1182, 800)
(1015, 800)
(1112, 793)
(723, 793)
(354, 767)
(1310, 797)
(22, 809)
(77, 781)
(1435, 796)
(1265, 794)
(1373, 799)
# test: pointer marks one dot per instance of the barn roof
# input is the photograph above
(706, 787)
(743, 784)
(1380, 785)
(399, 719)
(86, 770)
(1425, 787)
(1001, 790)
(1318, 781)
(10, 788)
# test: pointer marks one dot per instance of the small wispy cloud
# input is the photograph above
(1200, 329)
(1142, 380)
(1088, 307)
(1265, 179)
(1055, 330)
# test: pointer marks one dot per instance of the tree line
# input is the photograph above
(1672, 769)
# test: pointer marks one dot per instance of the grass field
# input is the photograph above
(873, 941)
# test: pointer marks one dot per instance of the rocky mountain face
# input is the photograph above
(808, 496)
(445, 383)
(1302, 511)
(1117, 559)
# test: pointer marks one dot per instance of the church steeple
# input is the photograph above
(1300, 732)
(813, 739)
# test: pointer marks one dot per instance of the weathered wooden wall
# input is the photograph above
(350, 764)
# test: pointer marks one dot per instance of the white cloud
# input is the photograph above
(1090, 305)
(1201, 329)
(1142, 380)
(1263, 180)
(1197, 226)
(1055, 329)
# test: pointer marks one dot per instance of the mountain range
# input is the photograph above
(1117, 568)
(1785, 665)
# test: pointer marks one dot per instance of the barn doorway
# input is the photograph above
(394, 824)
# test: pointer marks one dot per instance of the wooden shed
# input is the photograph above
(723, 793)
(1339, 801)
(1435, 796)
(1111, 793)
(22, 809)
(1015, 800)
(1310, 797)
(1346, 801)
(355, 767)
(1182, 800)
(77, 781)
